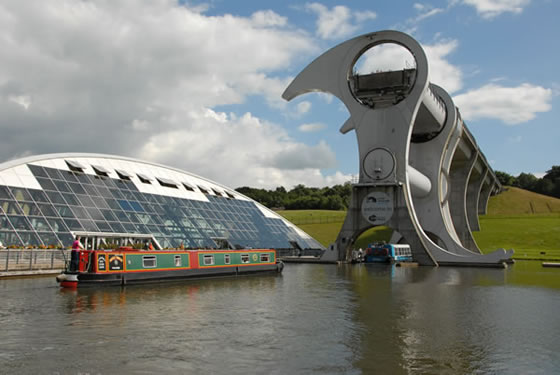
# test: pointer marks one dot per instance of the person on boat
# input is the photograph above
(76, 247)
(149, 246)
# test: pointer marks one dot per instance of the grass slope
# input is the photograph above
(515, 201)
(517, 219)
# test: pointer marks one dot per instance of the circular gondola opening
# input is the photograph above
(382, 75)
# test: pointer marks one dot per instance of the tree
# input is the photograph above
(505, 178)
(526, 181)
(553, 173)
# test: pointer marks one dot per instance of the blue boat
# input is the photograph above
(387, 253)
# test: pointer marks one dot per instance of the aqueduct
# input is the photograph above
(421, 171)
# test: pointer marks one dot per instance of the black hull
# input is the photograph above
(131, 278)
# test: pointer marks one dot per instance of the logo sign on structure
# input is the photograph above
(377, 207)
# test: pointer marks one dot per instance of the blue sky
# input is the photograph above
(197, 85)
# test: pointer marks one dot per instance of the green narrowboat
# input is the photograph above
(125, 265)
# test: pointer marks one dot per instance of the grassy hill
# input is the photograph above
(515, 201)
(517, 219)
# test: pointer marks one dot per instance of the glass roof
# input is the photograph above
(70, 203)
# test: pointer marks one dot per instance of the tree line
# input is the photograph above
(301, 197)
(549, 184)
(337, 197)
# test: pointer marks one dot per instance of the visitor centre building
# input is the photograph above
(48, 200)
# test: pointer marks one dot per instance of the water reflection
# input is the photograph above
(311, 319)
(451, 320)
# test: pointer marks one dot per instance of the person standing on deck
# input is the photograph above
(76, 247)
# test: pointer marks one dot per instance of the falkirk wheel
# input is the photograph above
(421, 172)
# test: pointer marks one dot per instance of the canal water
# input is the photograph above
(312, 319)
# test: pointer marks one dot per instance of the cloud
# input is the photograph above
(492, 8)
(339, 21)
(442, 72)
(312, 127)
(303, 107)
(424, 11)
(512, 105)
(214, 145)
(297, 156)
(268, 18)
(365, 15)
(142, 79)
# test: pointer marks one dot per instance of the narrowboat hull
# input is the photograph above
(128, 267)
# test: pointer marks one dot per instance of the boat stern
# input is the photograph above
(67, 280)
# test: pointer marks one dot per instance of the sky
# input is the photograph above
(197, 85)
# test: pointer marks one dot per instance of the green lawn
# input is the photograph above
(530, 236)
(517, 219)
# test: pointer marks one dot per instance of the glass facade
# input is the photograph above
(72, 201)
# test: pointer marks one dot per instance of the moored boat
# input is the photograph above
(388, 253)
(126, 265)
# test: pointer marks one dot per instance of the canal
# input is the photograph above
(323, 319)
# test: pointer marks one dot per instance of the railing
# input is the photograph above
(296, 252)
(316, 220)
(33, 260)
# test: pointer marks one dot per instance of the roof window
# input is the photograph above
(124, 175)
(167, 182)
(75, 166)
(145, 179)
(188, 186)
(100, 171)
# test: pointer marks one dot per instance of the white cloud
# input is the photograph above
(23, 100)
(267, 18)
(216, 146)
(385, 57)
(339, 21)
(141, 79)
(425, 11)
(512, 105)
(442, 72)
(311, 127)
(303, 107)
(364, 16)
(493, 8)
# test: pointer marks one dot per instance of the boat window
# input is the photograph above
(265, 257)
(178, 261)
(227, 259)
(149, 261)
(208, 260)
(244, 258)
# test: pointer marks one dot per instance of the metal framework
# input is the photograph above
(421, 171)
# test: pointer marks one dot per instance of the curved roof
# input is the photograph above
(147, 177)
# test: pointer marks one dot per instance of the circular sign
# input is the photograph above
(379, 164)
(377, 207)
